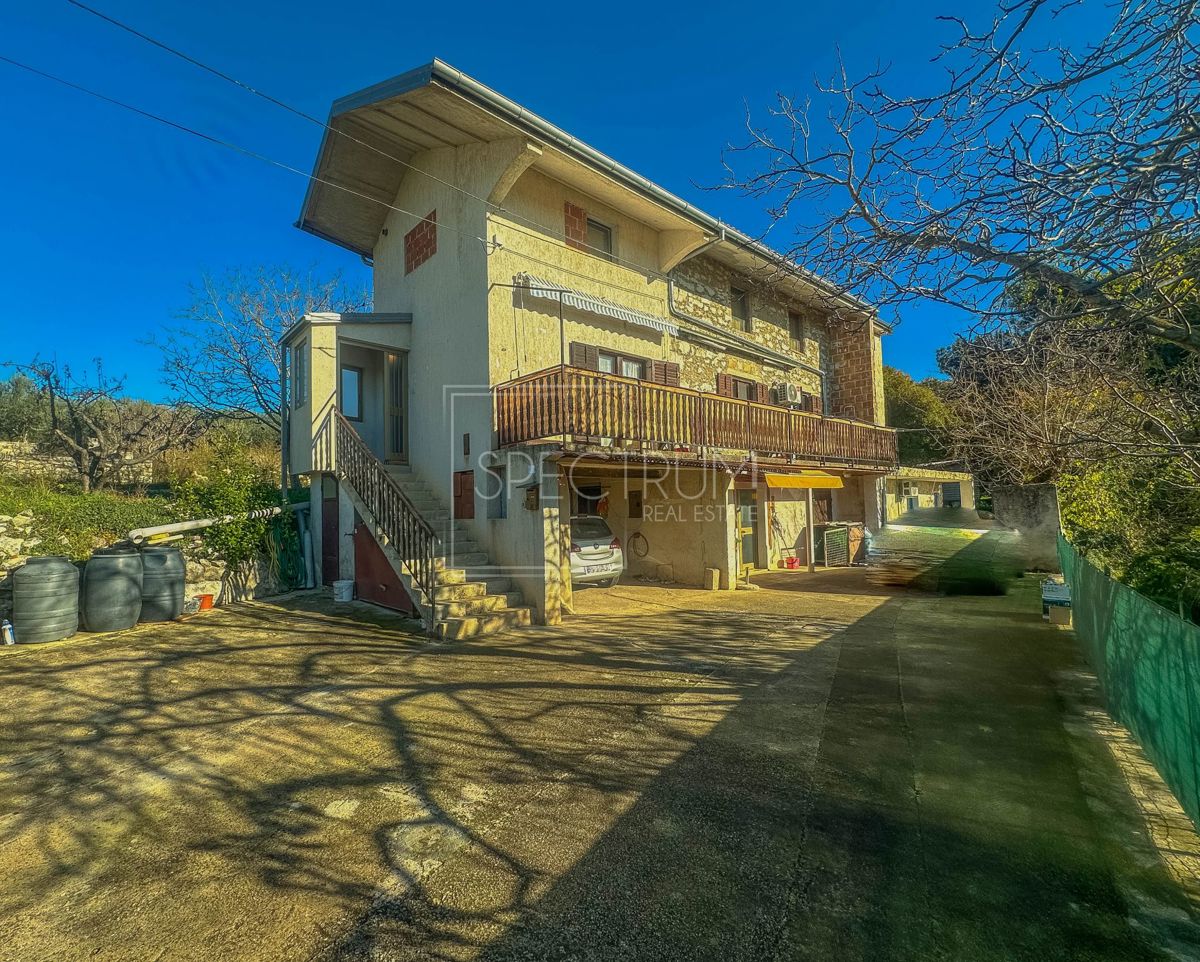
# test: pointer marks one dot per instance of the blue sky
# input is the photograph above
(108, 217)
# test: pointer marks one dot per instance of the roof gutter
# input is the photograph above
(471, 89)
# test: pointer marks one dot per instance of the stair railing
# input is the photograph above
(408, 534)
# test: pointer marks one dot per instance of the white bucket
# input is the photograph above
(343, 591)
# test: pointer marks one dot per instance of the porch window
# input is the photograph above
(300, 373)
(352, 392)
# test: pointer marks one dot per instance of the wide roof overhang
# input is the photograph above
(378, 131)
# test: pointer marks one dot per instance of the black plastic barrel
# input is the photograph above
(45, 600)
(111, 597)
(162, 583)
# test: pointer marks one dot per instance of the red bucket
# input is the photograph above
(206, 602)
(791, 563)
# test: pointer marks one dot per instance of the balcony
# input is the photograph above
(585, 409)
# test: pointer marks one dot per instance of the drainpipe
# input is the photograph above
(284, 426)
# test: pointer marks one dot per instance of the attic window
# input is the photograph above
(600, 239)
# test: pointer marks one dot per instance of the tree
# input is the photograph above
(1071, 165)
(916, 408)
(224, 358)
(1034, 402)
(24, 411)
(101, 431)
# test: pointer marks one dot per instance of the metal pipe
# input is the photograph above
(284, 423)
(138, 535)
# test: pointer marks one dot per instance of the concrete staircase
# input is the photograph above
(471, 596)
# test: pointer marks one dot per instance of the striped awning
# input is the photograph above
(590, 304)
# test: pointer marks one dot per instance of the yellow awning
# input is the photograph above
(803, 479)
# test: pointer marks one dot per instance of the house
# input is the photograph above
(555, 334)
(908, 488)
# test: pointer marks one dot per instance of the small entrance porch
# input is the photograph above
(356, 364)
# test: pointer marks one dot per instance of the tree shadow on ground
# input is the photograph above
(718, 784)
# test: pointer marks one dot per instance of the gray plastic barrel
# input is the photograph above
(162, 583)
(45, 600)
(111, 598)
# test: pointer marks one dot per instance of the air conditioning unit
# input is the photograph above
(790, 395)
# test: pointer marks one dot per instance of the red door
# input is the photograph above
(330, 540)
(375, 579)
(464, 495)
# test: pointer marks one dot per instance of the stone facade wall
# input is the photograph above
(702, 289)
(856, 374)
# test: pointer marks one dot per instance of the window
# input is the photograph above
(743, 390)
(600, 239)
(352, 392)
(611, 363)
(796, 328)
(739, 303)
(300, 374)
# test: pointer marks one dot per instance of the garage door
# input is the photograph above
(951, 494)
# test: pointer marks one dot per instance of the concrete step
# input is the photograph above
(470, 606)
(487, 623)
(495, 584)
(460, 546)
(459, 591)
(470, 559)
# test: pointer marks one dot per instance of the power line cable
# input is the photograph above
(245, 151)
(561, 235)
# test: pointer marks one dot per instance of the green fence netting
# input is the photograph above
(1148, 662)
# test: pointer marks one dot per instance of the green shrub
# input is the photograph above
(1139, 520)
(74, 524)
(235, 485)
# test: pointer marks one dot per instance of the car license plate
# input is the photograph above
(595, 569)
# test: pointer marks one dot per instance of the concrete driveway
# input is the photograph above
(819, 769)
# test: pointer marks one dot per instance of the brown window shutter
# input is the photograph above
(658, 372)
(761, 394)
(725, 385)
(586, 356)
(670, 374)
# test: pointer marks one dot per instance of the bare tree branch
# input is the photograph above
(223, 358)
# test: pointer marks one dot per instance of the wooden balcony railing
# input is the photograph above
(409, 534)
(572, 403)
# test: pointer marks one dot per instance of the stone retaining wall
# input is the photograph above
(204, 574)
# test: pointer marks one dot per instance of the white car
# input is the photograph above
(596, 555)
